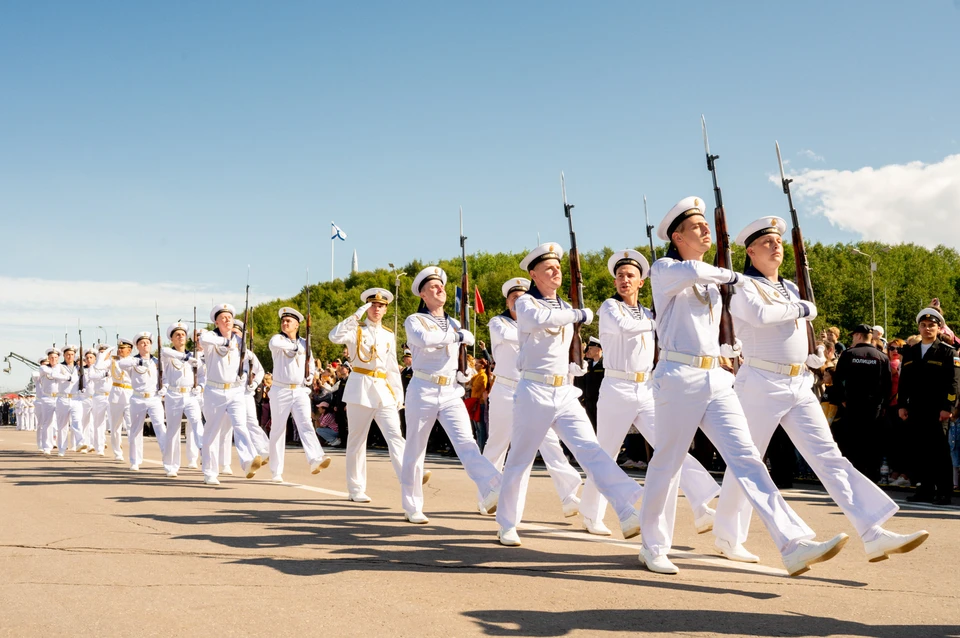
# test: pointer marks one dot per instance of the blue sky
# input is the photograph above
(182, 141)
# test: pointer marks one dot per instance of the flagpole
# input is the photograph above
(474, 331)
(332, 240)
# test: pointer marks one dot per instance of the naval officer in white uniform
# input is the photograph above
(183, 398)
(505, 348)
(374, 389)
(120, 393)
(48, 386)
(691, 390)
(69, 403)
(774, 387)
(293, 372)
(546, 399)
(626, 393)
(435, 393)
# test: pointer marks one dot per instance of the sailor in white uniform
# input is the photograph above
(252, 442)
(774, 387)
(179, 376)
(435, 393)
(626, 393)
(48, 387)
(97, 385)
(120, 393)
(69, 403)
(505, 348)
(146, 397)
(691, 390)
(293, 372)
(374, 389)
(546, 399)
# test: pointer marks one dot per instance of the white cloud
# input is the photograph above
(899, 203)
(35, 312)
(810, 155)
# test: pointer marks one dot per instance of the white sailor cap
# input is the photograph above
(517, 283)
(763, 226)
(631, 258)
(879, 330)
(70, 347)
(222, 307)
(686, 207)
(137, 338)
(428, 274)
(173, 327)
(930, 314)
(379, 295)
(55, 351)
(541, 253)
(593, 341)
(123, 341)
(287, 311)
(407, 353)
(237, 324)
(92, 351)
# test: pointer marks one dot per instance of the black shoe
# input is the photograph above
(920, 498)
(943, 500)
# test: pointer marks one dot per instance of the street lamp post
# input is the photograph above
(873, 269)
(396, 298)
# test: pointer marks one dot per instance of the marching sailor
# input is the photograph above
(505, 347)
(96, 384)
(183, 392)
(546, 399)
(48, 386)
(120, 393)
(435, 393)
(626, 393)
(252, 441)
(69, 403)
(374, 389)
(293, 372)
(145, 399)
(774, 387)
(691, 390)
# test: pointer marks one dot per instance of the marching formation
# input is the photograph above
(727, 352)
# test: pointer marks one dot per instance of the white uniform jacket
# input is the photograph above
(769, 324)
(628, 342)
(375, 380)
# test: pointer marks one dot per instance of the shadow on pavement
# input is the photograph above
(506, 622)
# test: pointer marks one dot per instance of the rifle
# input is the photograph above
(723, 259)
(159, 345)
(243, 333)
(250, 367)
(804, 283)
(306, 360)
(464, 282)
(196, 355)
(653, 255)
(576, 278)
(80, 362)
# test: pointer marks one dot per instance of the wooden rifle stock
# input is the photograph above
(576, 278)
(464, 284)
(804, 283)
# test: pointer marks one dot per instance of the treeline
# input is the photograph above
(907, 277)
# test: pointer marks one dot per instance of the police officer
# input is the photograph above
(861, 384)
(590, 382)
(927, 395)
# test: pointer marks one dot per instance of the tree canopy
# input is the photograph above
(906, 279)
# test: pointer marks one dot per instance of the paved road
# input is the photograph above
(88, 548)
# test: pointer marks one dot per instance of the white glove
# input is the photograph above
(362, 311)
(816, 360)
(578, 371)
(739, 280)
(197, 391)
(731, 352)
(811, 310)
(466, 337)
(195, 362)
(462, 378)
(162, 392)
(589, 316)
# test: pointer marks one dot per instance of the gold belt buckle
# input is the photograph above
(443, 380)
(557, 380)
(706, 363)
(292, 386)
(640, 377)
(226, 386)
(146, 395)
(794, 369)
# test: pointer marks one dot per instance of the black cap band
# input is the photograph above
(547, 255)
(769, 230)
(220, 312)
(929, 317)
(516, 288)
(628, 261)
(428, 278)
(690, 212)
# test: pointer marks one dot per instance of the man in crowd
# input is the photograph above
(590, 382)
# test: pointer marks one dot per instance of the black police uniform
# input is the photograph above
(590, 384)
(929, 384)
(862, 383)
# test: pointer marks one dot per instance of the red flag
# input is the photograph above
(478, 302)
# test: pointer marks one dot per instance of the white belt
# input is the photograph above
(702, 362)
(507, 381)
(636, 377)
(787, 369)
(286, 386)
(221, 386)
(554, 380)
(434, 378)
